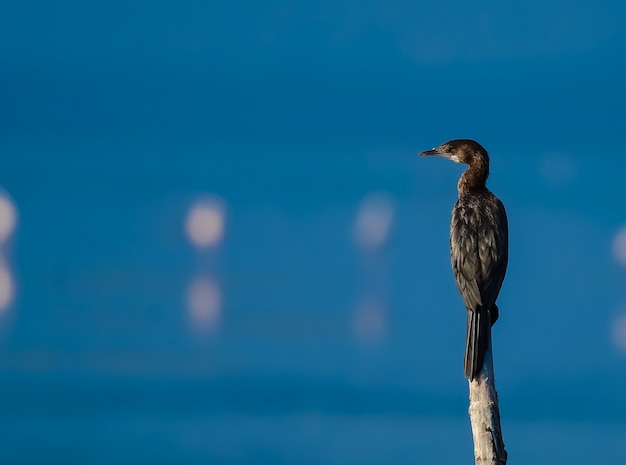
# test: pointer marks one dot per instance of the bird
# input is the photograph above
(479, 246)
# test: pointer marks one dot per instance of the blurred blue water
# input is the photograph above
(116, 119)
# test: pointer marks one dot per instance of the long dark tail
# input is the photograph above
(477, 342)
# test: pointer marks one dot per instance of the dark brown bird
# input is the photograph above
(479, 246)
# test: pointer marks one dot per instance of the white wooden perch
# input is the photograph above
(485, 416)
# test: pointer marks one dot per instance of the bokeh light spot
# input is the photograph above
(558, 169)
(205, 223)
(7, 288)
(8, 217)
(370, 321)
(373, 221)
(619, 246)
(618, 332)
(204, 301)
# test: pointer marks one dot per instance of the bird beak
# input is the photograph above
(435, 153)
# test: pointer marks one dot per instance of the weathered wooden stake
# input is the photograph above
(485, 416)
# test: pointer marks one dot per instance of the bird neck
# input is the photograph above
(475, 177)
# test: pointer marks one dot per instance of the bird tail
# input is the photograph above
(477, 342)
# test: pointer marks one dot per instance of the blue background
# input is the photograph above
(116, 116)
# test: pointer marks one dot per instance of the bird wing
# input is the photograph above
(493, 251)
(479, 249)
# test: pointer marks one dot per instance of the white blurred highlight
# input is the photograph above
(7, 287)
(370, 321)
(619, 246)
(205, 223)
(8, 217)
(374, 220)
(204, 302)
(618, 332)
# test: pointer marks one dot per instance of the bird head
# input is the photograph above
(459, 151)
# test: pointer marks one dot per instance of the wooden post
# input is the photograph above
(485, 416)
